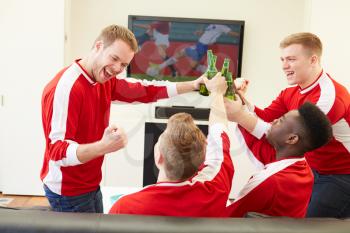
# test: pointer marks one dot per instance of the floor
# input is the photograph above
(14, 201)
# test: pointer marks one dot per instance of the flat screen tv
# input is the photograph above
(175, 49)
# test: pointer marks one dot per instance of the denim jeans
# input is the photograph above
(330, 196)
(89, 202)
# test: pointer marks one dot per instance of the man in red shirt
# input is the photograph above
(75, 115)
(186, 186)
(301, 62)
(283, 184)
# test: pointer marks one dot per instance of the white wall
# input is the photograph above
(330, 21)
(266, 21)
(31, 46)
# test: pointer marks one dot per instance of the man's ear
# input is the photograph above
(98, 45)
(292, 139)
(314, 59)
(159, 159)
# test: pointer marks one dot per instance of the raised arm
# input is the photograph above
(184, 87)
(217, 87)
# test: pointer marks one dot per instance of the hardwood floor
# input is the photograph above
(25, 201)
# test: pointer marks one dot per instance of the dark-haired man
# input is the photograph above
(186, 186)
(283, 184)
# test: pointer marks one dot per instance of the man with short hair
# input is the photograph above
(301, 62)
(283, 184)
(75, 114)
(186, 186)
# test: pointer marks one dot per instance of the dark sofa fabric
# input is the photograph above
(35, 221)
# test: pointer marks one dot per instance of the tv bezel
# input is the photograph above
(241, 23)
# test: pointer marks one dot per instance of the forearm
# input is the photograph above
(248, 104)
(246, 120)
(184, 87)
(217, 110)
(90, 151)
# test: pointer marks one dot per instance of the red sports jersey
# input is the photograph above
(204, 195)
(76, 110)
(279, 188)
(334, 100)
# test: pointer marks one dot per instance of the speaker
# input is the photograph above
(162, 112)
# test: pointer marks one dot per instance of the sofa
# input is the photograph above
(37, 221)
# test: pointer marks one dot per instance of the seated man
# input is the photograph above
(186, 186)
(283, 185)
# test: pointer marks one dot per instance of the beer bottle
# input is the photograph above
(211, 72)
(225, 68)
(230, 92)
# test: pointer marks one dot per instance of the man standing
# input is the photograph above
(75, 114)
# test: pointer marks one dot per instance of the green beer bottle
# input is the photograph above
(225, 68)
(211, 72)
(230, 92)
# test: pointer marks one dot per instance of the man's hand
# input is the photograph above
(217, 84)
(113, 139)
(198, 81)
(234, 109)
(184, 87)
(241, 85)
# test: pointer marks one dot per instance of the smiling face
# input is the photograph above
(111, 60)
(283, 128)
(297, 65)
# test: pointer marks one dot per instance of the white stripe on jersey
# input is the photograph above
(170, 86)
(327, 92)
(245, 149)
(60, 103)
(53, 179)
(261, 176)
(341, 132)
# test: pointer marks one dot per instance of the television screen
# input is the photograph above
(175, 49)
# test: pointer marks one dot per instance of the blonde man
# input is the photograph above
(75, 114)
(194, 175)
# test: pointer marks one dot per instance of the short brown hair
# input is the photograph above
(183, 146)
(115, 32)
(309, 41)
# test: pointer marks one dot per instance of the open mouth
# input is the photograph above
(289, 73)
(107, 73)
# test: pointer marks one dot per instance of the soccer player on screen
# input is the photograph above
(196, 52)
(157, 31)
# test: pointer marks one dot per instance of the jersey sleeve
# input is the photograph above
(257, 200)
(259, 149)
(275, 110)
(132, 90)
(218, 166)
(62, 130)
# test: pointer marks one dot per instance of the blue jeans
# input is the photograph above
(89, 202)
(330, 196)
